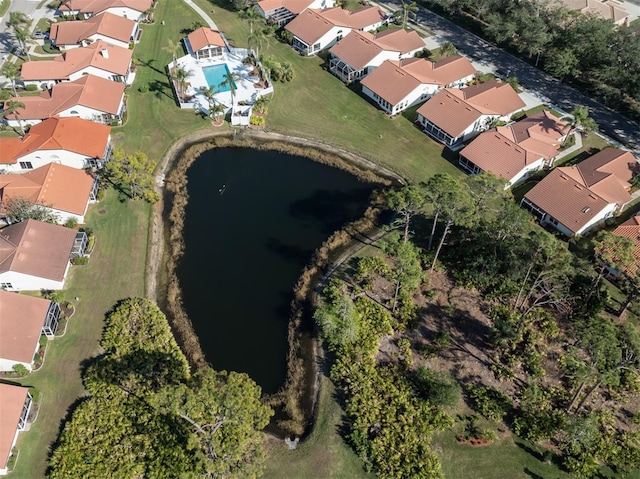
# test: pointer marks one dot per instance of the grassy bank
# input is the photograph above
(114, 272)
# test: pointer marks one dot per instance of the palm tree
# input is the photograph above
(448, 49)
(230, 81)
(579, 118)
(252, 16)
(210, 95)
(11, 108)
(24, 37)
(408, 10)
(12, 72)
(180, 75)
(173, 48)
(257, 40)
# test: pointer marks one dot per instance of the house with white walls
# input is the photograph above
(397, 85)
(132, 9)
(72, 142)
(281, 12)
(14, 414)
(118, 31)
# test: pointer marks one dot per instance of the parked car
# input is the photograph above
(40, 34)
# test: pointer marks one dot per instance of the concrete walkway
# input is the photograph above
(203, 14)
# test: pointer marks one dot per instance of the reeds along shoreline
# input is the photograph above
(293, 398)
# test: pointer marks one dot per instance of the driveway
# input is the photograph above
(493, 58)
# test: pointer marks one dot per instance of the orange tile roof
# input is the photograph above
(631, 229)
(204, 37)
(507, 150)
(90, 91)
(37, 249)
(97, 6)
(72, 134)
(453, 109)
(294, 6)
(107, 25)
(359, 48)
(53, 185)
(576, 194)
(21, 320)
(311, 25)
(600, 8)
(13, 399)
(100, 55)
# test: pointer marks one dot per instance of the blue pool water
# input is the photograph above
(214, 75)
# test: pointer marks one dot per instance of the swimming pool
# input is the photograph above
(215, 76)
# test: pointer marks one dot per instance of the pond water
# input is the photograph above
(252, 222)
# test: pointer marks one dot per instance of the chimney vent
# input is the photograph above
(105, 53)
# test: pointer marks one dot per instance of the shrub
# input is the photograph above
(31, 87)
(71, 222)
(489, 402)
(256, 120)
(80, 260)
(144, 89)
(20, 370)
(438, 389)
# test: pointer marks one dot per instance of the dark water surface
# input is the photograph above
(253, 220)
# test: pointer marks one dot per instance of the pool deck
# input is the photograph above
(247, 90)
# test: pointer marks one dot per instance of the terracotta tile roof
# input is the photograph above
(393, 80)
(13, 399)
(506, 150)
(574, 195)
(21, 320)
(453, 109)
(72, 134)
(54, 185)
(204, 37)
(600, 8)
(294, 6)
(107, 25)
(569, 202)
(358, 48)
(37, 249)
(98, 6)
(100, 55)
(311, 25)
(631, 229)
(90, 91)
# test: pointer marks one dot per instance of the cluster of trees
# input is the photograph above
(568, 45)
(148, 416)
(544, 298)
(20, 25)
(392, 417)
(132, 173)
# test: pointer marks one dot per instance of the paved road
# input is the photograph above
(28, 7)
(610, 122)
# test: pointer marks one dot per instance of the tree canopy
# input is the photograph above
(133, 174)
(148, 416)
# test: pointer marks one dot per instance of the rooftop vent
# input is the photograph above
(105, 53)
(586, 209)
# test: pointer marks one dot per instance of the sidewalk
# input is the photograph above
(203, 14)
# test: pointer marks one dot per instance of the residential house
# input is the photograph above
(315, 30)
(454, 115)
(23, 321)
(133, 9)
(15, 406)
(100, 59)
(205, 43)
(118, 31)
(574, 199)
(35, 255)
(630, 229)
(281, 12)
(515, 151)
(66, 191)
(398, 85)
(605, 9)
(72, 142)
(89, 97)
(359, 53)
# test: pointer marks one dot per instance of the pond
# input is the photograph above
(253, 220)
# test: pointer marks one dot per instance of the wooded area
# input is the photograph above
(565, 373)
(148, 416)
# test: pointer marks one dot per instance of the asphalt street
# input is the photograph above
(610, 122)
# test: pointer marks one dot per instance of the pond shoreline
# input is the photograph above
(166, 247)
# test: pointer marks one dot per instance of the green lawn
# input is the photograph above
(115, 271)
(323, 454)
(4, 6)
